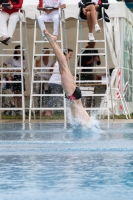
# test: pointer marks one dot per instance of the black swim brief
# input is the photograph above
(76, 95)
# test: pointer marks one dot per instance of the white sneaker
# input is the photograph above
(91, 37)
(97, 28)
(45, 39)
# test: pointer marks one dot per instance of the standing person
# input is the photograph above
(15, 62)
(11, 15)
(7, 89)
(43, 73)
(55, 83)
(73, 93)
(51, 13)
(89, 61)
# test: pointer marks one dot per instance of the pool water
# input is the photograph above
(46, 162)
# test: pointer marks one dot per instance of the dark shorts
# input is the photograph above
(76, 95)
(82, 16)
(85, 77)
(17, 86)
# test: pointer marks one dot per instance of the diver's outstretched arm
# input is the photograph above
(58, 52)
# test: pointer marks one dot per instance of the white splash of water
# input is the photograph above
(92, 126)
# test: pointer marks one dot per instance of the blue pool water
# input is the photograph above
(46, 162)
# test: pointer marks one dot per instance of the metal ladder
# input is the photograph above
(63, 43)
(22, 41)
(103, 52)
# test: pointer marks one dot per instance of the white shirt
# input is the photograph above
(3, 83)
(15, 64)
(53, 3)
(44, 75)
(56, 75)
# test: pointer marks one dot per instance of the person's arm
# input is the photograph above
(8, 61)
(1, 6)
(97, 58)
(62, 6)
(38, 63)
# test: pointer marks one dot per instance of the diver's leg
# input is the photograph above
(58, 52)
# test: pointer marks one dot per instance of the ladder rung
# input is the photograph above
(44, 81)
(10, 68)
(45, 55)
(93, 72)
(45, 41)
(45, 73)
(14, 49)
(10, 55)
(93, 81)
(33, 108)
(92, 48)
(96, 108)
(90, 68)
(80, 41)
(90, 54)
(11, 95)
(41, 68)
(16, 42)
(10, 81)
(7, 108)
(47, 95)
(92, 95)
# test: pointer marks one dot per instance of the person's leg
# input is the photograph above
(67, 79)
(54, 101)
(89, 21)
(41, 19)
(18, 100)
(92, 10)
(5, 102)
(13, 19)
(36, 89)
(56, 21)
(58, 90)
(3, 26)
(17, 90)
(57, 50)
(93, 13)
(90, 26)
(51, 99)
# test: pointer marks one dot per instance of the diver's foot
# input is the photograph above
(49, 36)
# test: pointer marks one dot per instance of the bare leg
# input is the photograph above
(18, 99)
(93, 13)
(59, 54)
(89, 22)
